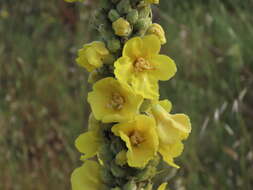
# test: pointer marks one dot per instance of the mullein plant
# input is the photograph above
(130, 131)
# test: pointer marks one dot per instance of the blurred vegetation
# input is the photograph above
(43, 92)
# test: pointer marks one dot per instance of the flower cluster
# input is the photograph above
(130, 130)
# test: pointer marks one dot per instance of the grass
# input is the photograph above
(42, 91)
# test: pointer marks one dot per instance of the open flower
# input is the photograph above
(113, 102)
(88, 143)
(171, 129)
(92, 55)
(141, 139)
(141, 66)
(87, 177)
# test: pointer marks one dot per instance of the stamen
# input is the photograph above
(142, 64)
(117, 101)
(136, 138)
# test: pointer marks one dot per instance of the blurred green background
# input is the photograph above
(43, 92)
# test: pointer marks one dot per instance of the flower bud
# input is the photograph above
(121, 158)
(157, 30)
(106, 176)
(145, 12)
(113, 15)
(114, 45)
(104, 153)
(142, 25)
(147, 173)
(117, 145)
(155, 161)
(132, 16)
(117, 171)
(122, 27)
(124, 7)
(130, 186)
(100, 17)
(106, 31)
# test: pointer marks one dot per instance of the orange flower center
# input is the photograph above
(117, 101)
(136, 138)
(142, 64)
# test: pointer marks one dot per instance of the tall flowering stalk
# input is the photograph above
(130, 130)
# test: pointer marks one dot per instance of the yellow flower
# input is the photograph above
(88, 143)
(171, 129)
(157, 30)
(87, 177)
(162, 186)
(113, 102)
(141, 139)
(153, 1)
(141, 66)
(121, 27)
(92, 55)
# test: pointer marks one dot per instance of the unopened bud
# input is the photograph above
(117, 145)
(100, 17)
(155, 161)
(130, 186)
(157, 30)
(106, 176)
(106, 31)
(121, 158)
(113, 45)
(132, 16)
(124, 7)
(117, 171)
(113, 15)
(147, 173)
(145, 12)
(104, 154)
(122, 27)
(142, 25)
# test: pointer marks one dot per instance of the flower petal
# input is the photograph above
(146, 86)
(165, 68)
(88, 143)
(133, 48)
(171, 151)
(81, 177)
(151, 45)
(123, 69)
